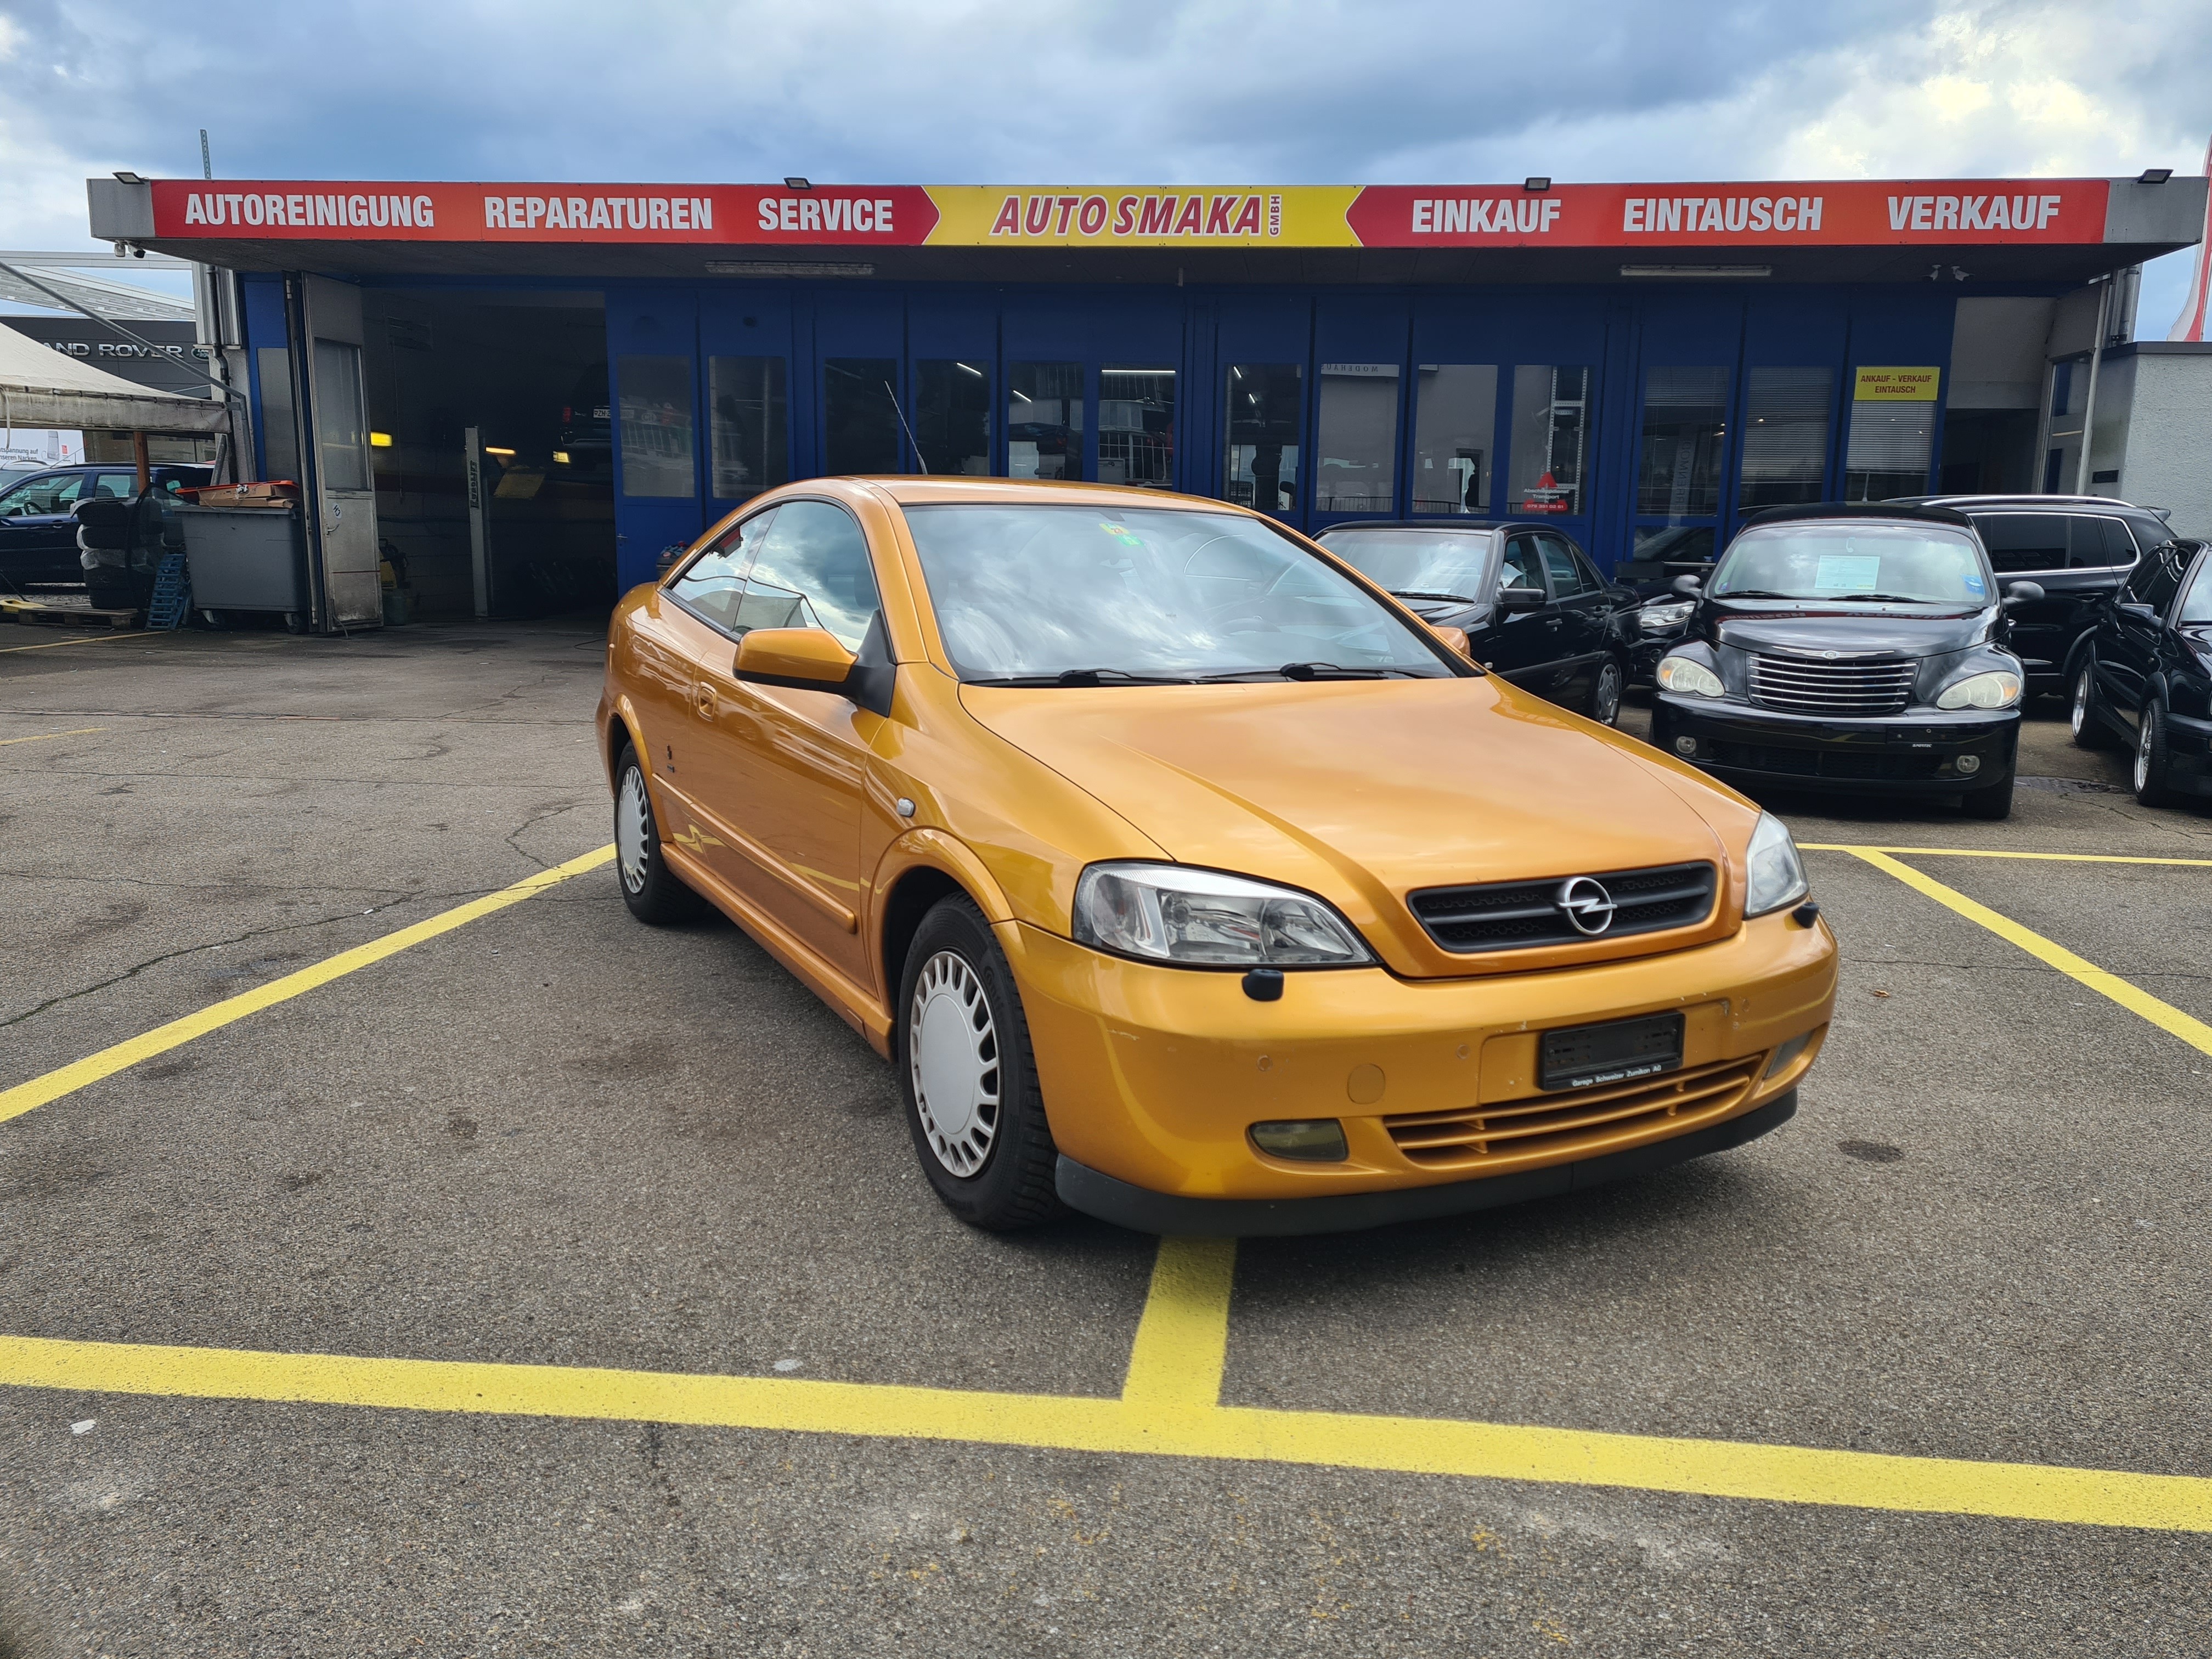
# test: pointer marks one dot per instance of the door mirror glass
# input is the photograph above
(1512, 599)
(807, 659)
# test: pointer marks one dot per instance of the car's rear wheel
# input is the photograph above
(968, 1077)
(2088, 725)
(654, 891)
(1993, 801)
(2152, 776)
(1604, 699)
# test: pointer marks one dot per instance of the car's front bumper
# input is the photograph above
(1152, 1076)
(1914, 753)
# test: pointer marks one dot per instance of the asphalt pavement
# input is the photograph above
(556, 1137)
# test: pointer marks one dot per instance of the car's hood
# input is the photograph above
(1856, 630)
(1363, 791)
(1448, 613)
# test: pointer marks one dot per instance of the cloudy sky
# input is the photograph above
(932, 91)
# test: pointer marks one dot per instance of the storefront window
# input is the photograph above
(1045, 420)
(1454, 437)
(952, 415)
(1786, 436)
(1357, 439)
(656, 426)
(746, 420)
(1136, 425)
(1684, 434)
(861, 416)
(1266, 404)
(1889, 450)
(1551, 440)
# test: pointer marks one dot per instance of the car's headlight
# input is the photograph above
(1687, 674)
(1776, 874)
(1658, 618)
(1204, 919)
(1998, 689)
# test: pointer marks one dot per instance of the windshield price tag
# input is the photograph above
(1848, 573)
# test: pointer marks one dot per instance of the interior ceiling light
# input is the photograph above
(789, 268)
(379, 441)
(1697, 270)
(2148, 176)
(797, 183)
(1537, 183)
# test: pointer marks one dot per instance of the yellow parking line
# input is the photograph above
(24, 1096)
(77, 639)
(1152, 1424)
(2163, 1015)
(1182, 1340)
(42, 736)
(1992, 853)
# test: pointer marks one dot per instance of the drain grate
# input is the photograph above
(2070, 787)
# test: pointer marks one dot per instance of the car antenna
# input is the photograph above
(904, 427)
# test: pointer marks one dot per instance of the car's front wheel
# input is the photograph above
(653, 892)
(972, 1103)
(2088, 725)
(2152, 776)
(1992, 801)
(1604, 699)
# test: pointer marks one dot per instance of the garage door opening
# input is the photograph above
(516, 383)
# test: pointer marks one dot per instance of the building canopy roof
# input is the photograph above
(42, 387)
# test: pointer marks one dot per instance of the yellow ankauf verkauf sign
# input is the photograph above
(1896, 385)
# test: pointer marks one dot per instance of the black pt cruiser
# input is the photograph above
(1857, 650)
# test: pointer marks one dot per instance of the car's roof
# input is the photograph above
(2041, 503)
(922, 489)
(1890, 512)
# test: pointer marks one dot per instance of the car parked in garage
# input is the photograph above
(1852, 650)
(2144, 675)
(1187, 877)
(1534, 608)
(2077, 548)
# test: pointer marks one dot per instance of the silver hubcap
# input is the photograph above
(1608, 693)
(2080, 702)
(632, 829)
(2142, 752)
(954, 1048)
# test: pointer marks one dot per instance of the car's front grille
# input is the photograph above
(1847, 690)
(1516, 915)
(1839, 762)
(1515, 1129)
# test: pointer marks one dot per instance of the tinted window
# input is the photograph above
(810, 570)
(2101, 542)
(711, 584)
(2155, 580)
(1521, 568)
(2024, 541)
(2197, 604)
(1559, 566)
(2149, 531)
(1592, 582)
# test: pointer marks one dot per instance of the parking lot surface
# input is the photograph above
(549, 1139)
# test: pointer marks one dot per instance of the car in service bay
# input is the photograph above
(2144, 676)
(1849, 649)
(1187, 877)
(1534, 608)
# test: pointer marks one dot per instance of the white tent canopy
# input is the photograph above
(42, 387)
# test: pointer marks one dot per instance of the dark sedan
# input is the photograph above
(1534, 608)
(1858, 650)
(2145, 677)
(38, 515)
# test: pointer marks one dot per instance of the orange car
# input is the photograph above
(1187, 878)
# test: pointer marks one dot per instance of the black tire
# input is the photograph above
(2085, 714)
(2152, 777)
(1992, 801)
(1605, 691)
(1006, 1182)
(653, 892)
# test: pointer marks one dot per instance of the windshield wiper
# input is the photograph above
(1319, 670)
(1419, 593)
(1756, 593)
(1889, 598)
(1085, 677)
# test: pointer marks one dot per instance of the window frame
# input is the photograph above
(676, 573)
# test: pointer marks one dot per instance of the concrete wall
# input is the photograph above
(2167, 457)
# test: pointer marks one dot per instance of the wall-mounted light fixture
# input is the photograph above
(2148, 176)
(1536, 184)
(797, 183)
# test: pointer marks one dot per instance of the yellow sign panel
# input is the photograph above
(1896, 385)
(1135, 215)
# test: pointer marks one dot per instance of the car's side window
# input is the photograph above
(2101, 544)
(1560, 565)
(2155, 580)
(811, 570)
(1592, 582)
(116, 486)
(713, 584)
(56, 493)
(1519, 568)
(2024, 541)
(2197, 604)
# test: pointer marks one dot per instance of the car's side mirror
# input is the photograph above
(1689, 585)
(2140, 612)
(2021, 594)
(802, 658)
(1510, 599)
(1454, 637)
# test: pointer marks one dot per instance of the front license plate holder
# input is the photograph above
(1618, 1051)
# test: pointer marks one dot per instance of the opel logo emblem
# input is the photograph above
(1830, 656)
(1587, 906)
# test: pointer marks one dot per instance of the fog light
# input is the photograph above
(1312, 1140)
(1685, 745)
(1968, 765)
(1788, 1052)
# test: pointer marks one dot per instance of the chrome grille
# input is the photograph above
(1850, 688)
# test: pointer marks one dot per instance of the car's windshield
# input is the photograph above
(1924, 564)
(1446, 563)
(1049, 590)
(2197, 603)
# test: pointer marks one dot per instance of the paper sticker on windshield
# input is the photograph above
(1120, 534)
(1848, 573)
(1974, 581)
